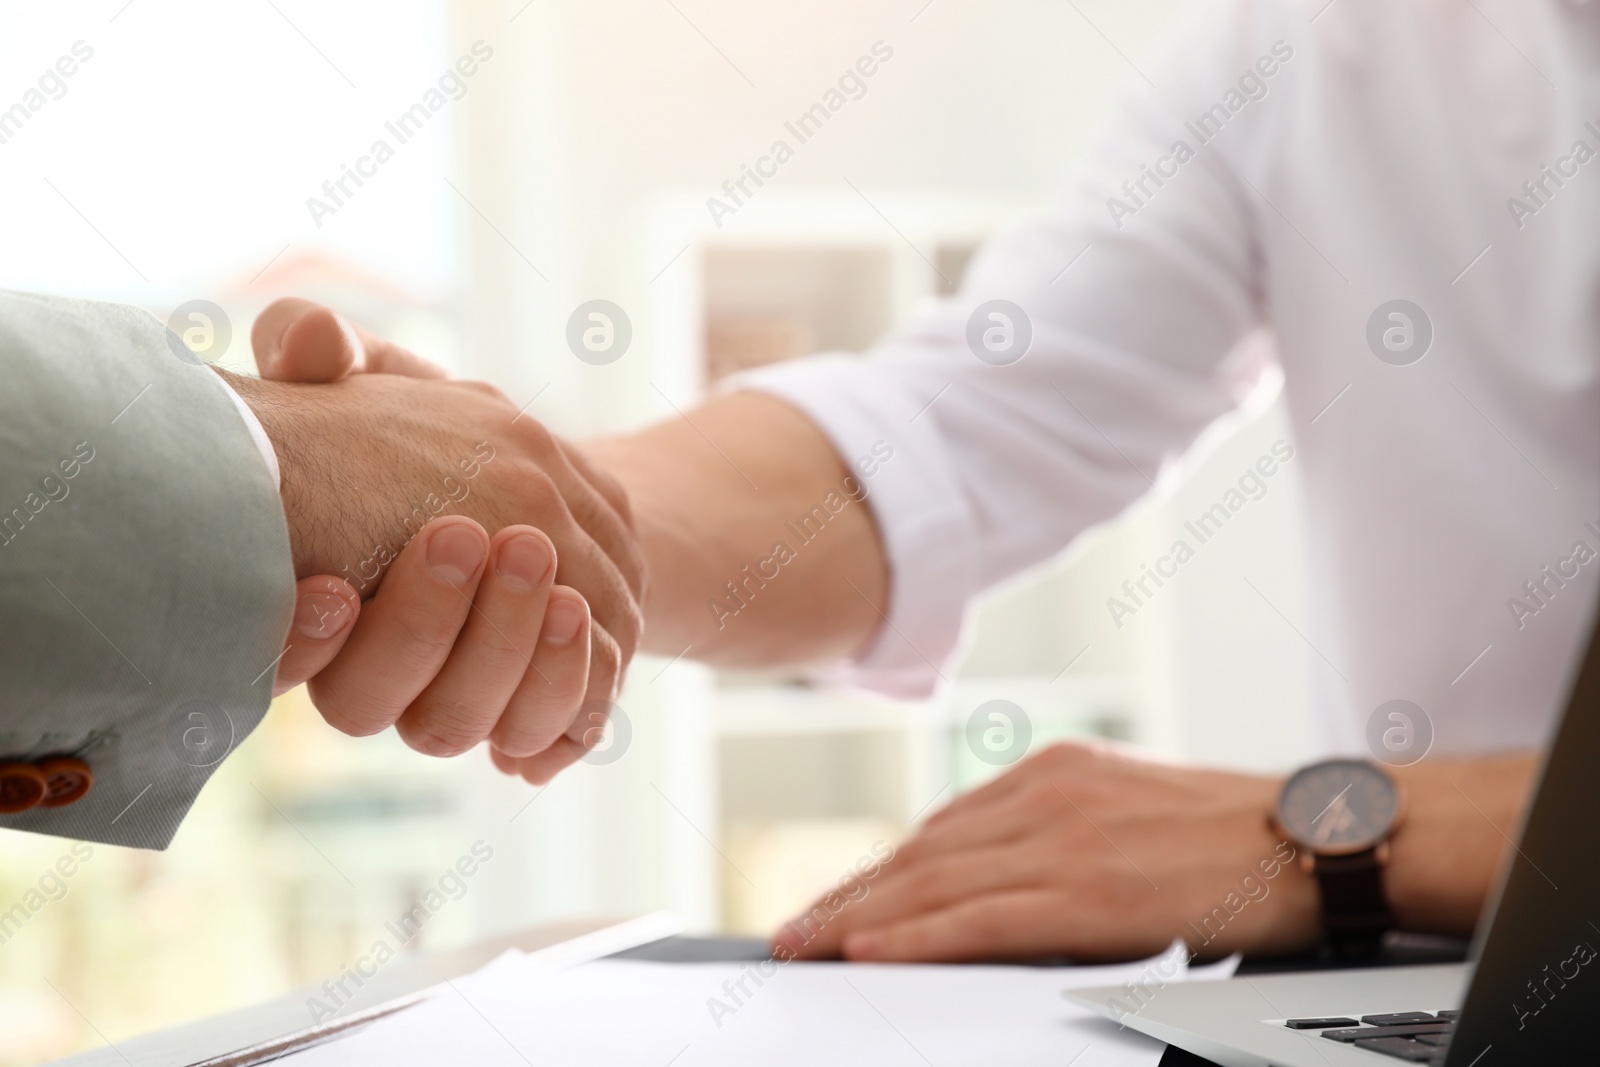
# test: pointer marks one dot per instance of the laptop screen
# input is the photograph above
(1538, 959)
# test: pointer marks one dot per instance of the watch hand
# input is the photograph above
(1334, 825)
(1332, 802)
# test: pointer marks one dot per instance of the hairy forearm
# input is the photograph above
(1463, 815)
(276, 413)
(307, 428)
(737, 572)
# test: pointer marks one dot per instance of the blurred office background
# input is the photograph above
(576, 163)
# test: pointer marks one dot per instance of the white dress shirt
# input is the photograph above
(1356, 153)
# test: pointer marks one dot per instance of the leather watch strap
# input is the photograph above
(1355, 913)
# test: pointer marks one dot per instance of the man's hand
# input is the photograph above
(468, 637)
(1090, 851)
(1084, 850)
(367, 461)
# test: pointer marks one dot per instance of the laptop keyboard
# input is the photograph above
(1414, 1036)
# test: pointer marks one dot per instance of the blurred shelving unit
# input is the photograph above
(797, 272)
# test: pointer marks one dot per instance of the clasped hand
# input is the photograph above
(470, 626)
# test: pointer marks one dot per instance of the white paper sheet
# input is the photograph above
(518, 1012)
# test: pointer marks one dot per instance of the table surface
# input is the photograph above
(257, 1034)
(249, 1035)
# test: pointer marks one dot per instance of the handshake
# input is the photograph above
(463, 575)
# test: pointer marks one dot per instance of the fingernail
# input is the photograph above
(455, 553)
(358, 351)
(319, 616)
(522, 562)
(864, 945)
(562, 622)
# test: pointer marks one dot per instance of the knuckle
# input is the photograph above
(345, 709)
(537, 438)
(520, 740)
(437, 730)
(990, 925)
(620, 619)
(1065, 753)
(910, 853)
(502, 648)
(605, 653)
(606, 647)
(621, 501)
(639, 569)
(1043, 797)
(292, 672)
(535, 723)
(483, 389)
(588, 727)
(424, 632)
(539, 495)
(633, 626)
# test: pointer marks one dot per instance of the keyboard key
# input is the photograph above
(1400, 1047)
(1319, 1024)
(1451, 1015)
(1435, 1026)
(1397, 1018)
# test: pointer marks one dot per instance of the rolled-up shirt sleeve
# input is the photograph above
(918, 502)
(1135, 318)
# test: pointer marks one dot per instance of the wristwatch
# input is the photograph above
(1340, 814)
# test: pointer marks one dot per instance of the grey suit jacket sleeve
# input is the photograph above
(145, 578)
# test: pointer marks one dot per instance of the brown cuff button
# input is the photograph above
(66, 781)
(22, 786)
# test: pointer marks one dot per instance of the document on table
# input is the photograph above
(518, 1011)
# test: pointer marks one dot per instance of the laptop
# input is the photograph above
(1530, 994)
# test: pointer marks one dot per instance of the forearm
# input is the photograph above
(1462, 817)
(737, 572)
(273, 414)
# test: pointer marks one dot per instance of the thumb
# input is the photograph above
(296, 340)
(299, 341)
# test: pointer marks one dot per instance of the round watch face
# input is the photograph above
(1339, 807)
